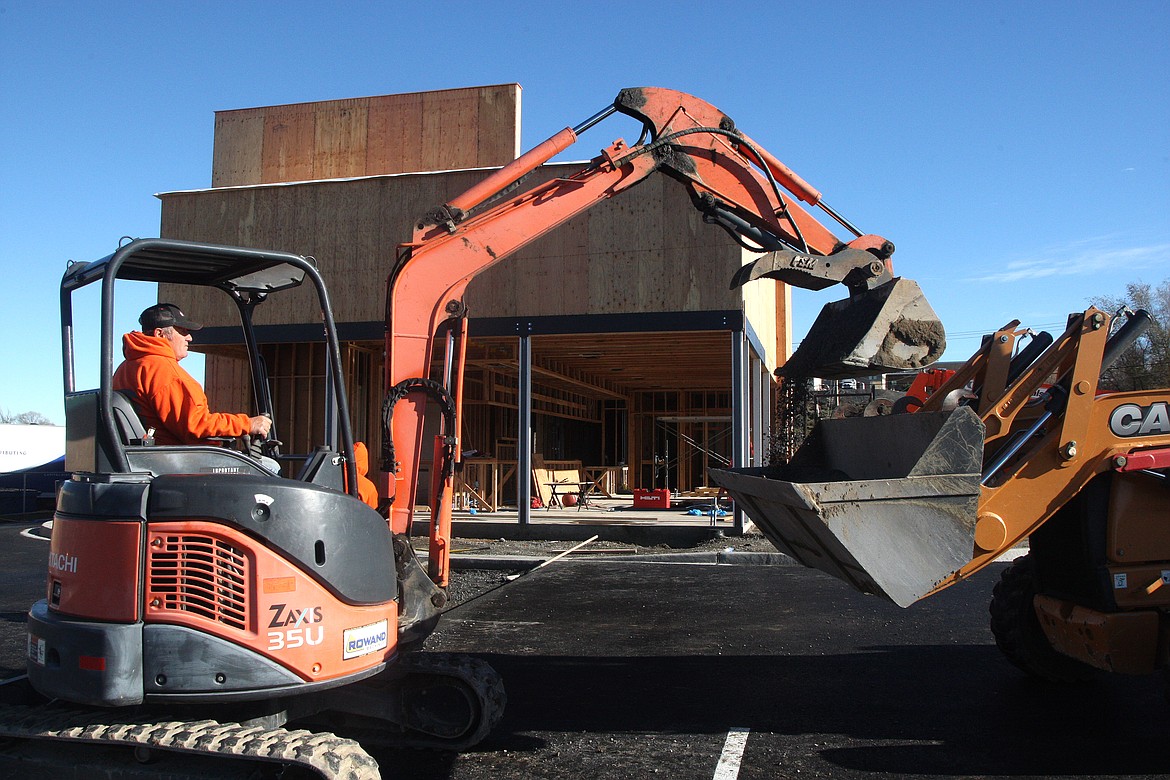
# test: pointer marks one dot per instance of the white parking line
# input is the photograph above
(28, 532)
(729, 761)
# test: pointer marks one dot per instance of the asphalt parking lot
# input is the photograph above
(620, 669)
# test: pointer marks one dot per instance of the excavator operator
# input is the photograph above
(167, 398)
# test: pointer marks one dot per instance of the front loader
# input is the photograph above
(1019, 444)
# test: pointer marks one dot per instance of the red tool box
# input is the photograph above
(651, 499)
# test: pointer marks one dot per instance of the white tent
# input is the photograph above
(28, 446)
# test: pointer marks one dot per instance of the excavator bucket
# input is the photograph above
(889, 328)
(887, 504)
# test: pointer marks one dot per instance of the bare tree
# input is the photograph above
(1146, 365)
(24, 418)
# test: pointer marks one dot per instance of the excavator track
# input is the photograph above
(441, 701)
(480, 680)
(444, 701)
(323, 754)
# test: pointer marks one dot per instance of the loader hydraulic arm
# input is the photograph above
(732, 180)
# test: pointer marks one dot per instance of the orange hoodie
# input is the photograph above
(169, 399)
(367, 490)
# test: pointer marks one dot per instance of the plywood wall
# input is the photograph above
(228, 379)
(421, 131)
(645, 251)
(767, 310)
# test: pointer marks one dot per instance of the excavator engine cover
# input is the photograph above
(889, 328)
(887, 504)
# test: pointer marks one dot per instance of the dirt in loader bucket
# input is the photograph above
(889, 328)
(887, 504)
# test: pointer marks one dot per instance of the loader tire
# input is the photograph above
(1018, 633)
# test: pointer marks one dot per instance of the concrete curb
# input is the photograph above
(495, 562)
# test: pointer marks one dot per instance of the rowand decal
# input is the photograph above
(364, 640)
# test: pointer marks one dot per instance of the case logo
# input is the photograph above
(1133, 420)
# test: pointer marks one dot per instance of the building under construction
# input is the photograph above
(642, 367)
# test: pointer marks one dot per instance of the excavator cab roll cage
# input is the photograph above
(248, 277)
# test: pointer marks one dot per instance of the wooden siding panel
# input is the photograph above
(289, 136)
(339, 139)
(227, 380)
(692, 251)
(760, 299)
(237, 149)
(449, 122)
(610, 289)
(394, 134)
(572, 262)
(364, 256)
(640, 223)
(498, 142)
(643, 251)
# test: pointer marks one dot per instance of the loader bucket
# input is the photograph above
(887, 504)
(889, 328)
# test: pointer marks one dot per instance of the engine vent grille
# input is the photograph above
(200, 575)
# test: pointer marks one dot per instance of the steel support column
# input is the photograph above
(758, 382)
(740, 409)
(524, 433)
(767, 413)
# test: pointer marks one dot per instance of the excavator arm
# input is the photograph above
(733, 181)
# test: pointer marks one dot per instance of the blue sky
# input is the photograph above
(1018, 153)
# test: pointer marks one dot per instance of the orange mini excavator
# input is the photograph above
(203, 601)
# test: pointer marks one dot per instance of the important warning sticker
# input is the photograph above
(36, 650)
(364, 640)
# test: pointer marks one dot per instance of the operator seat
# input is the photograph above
(126, 419)
(176, 459)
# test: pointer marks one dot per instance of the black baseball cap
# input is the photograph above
(166, 315)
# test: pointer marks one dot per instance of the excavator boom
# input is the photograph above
(884, 323)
